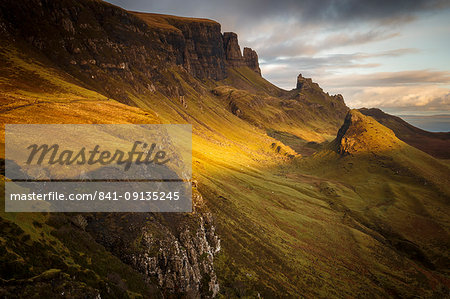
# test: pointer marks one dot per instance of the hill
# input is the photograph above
(282, 206)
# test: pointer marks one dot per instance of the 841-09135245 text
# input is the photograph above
(98, 195)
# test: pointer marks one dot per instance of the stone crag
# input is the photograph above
(233, 54)
(174, 251)
(251, 60)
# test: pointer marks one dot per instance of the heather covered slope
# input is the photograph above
(370, 222)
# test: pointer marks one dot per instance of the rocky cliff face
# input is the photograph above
(251, 60)
(233, 54)
(183, 264)
(101, 44)
(196, 44)
(175, 251)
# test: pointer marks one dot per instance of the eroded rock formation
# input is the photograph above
(251, 60)
(233, 54)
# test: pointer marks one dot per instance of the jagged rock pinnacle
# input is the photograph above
(233, 54)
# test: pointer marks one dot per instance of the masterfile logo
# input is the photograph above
(38, 153)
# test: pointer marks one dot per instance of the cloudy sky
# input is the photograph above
(389, 54)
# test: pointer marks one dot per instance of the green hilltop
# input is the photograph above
(294, 194)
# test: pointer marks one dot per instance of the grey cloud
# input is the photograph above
(389, 53)
(338, 60)
(329, 63)
(416, 77)
(282, 70)
(307, 10)
(292, 44)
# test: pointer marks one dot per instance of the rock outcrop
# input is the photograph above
(311, 97)
(362, 134)
(183, 264)
(233, 54)
(175, 250)
(306, 84)
(251, 60)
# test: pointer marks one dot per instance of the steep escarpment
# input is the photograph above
(200, 46)
(196, 43)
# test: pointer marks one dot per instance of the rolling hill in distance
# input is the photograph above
(433, 143)
(294, 194)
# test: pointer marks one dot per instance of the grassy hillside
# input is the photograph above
(373, 223)
(299, 208)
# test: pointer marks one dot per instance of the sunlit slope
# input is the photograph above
(390, 192)
(329, 225)
(363, 136)
(370, 223)
(34, 91)
(433, 143)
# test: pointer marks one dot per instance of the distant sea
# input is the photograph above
(432, 123)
